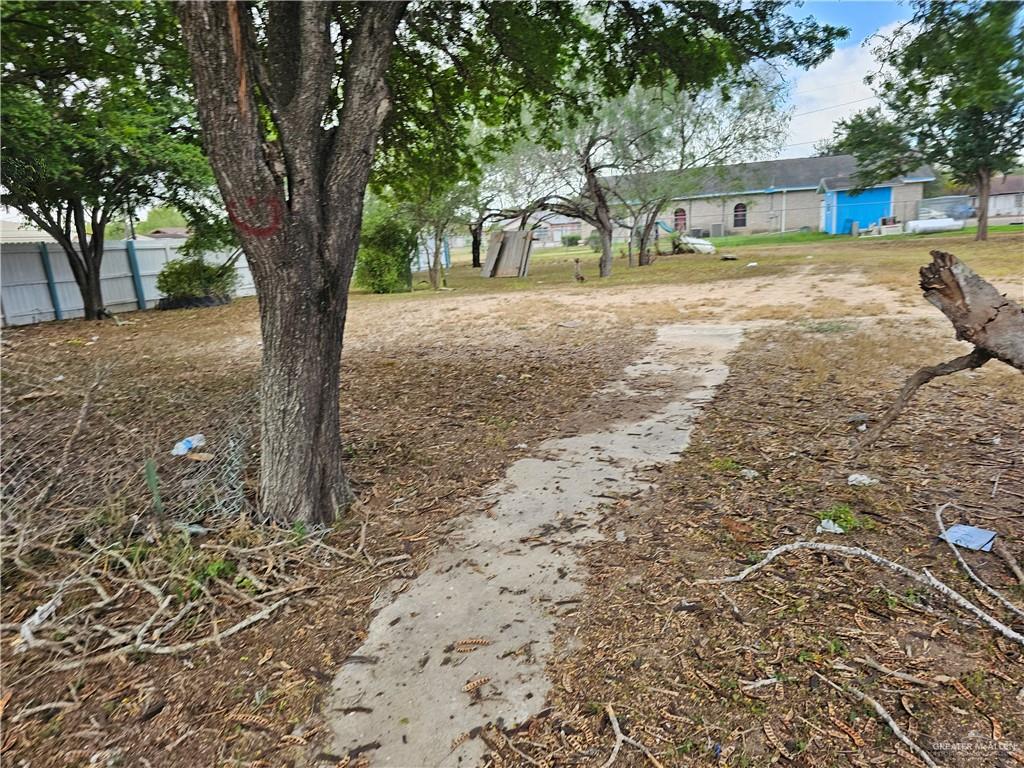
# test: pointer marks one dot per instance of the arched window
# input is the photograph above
(739, 215)
(680, 219)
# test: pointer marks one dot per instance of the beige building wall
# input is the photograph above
(905, 199)
(772, 212)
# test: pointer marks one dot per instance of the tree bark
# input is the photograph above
(476, 231)
(302, 476)
(984, 190)
(982, 316)
(603, 220)
(437, 277)
(84, 259)
(979, 313)
(297, 217)
(92, 294)
(645, 238)
(605, 264)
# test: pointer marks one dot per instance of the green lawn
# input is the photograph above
(892, 261)
(788, 238)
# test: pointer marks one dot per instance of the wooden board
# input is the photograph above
(493, 251)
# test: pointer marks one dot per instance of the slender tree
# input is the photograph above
(95, 123)
(952, 90)
(735, 121)
(298, 100)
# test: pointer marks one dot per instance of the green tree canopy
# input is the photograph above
(96, 121)
(301, 101)
(952, 89)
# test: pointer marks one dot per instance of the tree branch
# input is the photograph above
(975, 359)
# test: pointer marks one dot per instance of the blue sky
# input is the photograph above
(835, 89)
(862, 17)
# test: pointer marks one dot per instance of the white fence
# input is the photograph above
(36, 283)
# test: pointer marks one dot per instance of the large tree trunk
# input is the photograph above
(476, 231)
(602, 214)
(605, 227)
(302, 318)
(85, 257)
(984, 189)
(645, 239)
(296, 203)
(87, 278)
(605, 264)
(92, 294)
(981, 315)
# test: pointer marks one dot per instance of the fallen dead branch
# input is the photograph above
(171, 650)
(1011, 562)
(867, 661)
(974, 359)
(924, 578)
(993, 323)
(621, 738)
(860, 696)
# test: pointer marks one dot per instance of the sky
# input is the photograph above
(835, 89)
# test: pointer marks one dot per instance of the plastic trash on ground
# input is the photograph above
(969, 537)
(859, 479)
(752, 264)
(829, 526)
(695, 245)
(184, 446)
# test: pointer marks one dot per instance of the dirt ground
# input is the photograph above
(441, 393)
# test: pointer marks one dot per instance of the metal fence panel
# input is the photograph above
(26, 296)
(151, 257)
(26, 293)
(950, 206)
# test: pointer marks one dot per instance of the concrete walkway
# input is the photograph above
(507, 569)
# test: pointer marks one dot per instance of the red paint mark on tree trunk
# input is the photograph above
(268, 208)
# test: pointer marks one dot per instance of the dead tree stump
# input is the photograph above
(981, 315)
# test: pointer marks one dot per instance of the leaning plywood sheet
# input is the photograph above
(510, 256)
(524, 259)
(515, 254)
(493, 252)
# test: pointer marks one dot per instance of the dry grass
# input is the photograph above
(438, 391)
(890, 262)
(431, 417)
(679, 662)
(820, 309)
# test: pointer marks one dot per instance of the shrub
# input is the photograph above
(571, 240)
(193, 276)
(594, 241)
(387, 244)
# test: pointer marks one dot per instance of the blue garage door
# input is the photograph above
(867, 208)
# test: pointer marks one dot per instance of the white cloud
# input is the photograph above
(830, 92)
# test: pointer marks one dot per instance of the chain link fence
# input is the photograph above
(110, 544)
(949, 207)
